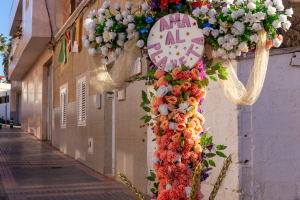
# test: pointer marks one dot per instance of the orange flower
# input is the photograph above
(198, 129)
(171, 107)
(165, 125)
(175, 73)
(189, 114)
(195, 74)
(180, 127)
(162, 118)
(200, 93)
(181, 119)
(192, 101)
(159, 73)
(269, 45)
(171, 99)
(176, 137)
(189, 132)
(198, 148)
(176, 90)
(156, 129)
(175, 113)
(162, 82)
(154, 111)
(199, 117)
(185, 86)
(156, 101)
(155, 84)
(192, 124)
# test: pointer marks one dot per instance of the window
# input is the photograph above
(63, 105)
(81, 93)
(36, 87)
(27, 94)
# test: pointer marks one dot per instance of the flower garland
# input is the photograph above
(180, 136)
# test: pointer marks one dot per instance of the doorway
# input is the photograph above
(49, 102)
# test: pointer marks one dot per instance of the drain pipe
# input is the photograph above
(113, 152)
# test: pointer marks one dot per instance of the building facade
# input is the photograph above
(103, 131)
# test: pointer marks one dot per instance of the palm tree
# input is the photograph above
(3, 44)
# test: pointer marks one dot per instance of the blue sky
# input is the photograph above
(4, 23)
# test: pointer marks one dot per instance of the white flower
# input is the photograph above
(243, 47)
(162, 91)
(282, 18)
(251, 6)
(227, 37)
(87, 43)
(204, 9)
(130, 18)
(254, 38)
(155, 159)
(92, 31)
(215, 33)
(280, 7)
(223, 30)
(239, 2)
(109, 23)
(214, 54)
(256, 26)
(118, 17)
(145, 7)
(106, 5)
(106, 29)
(235, 14)
(238, 28)
(289, 12)
(271, 10)
(238, 53)
(140, 43)
(221, 52)
(114, 56)
(106, 36)
(169, 187)
(228, 46)
(92, 14)
(104, 49)
(163, 109)
(260, 15)
(125, 22)
(121, 36)
(206, 31)
(172, 126)
(225, 10)
(112, 35)
(228, 1)
(286, 25)
(225, 56)
(84, 38)
(91, 37)
(196, 12)
(128, 5)
(169, 68)
(183, 107)
(276, 42)
(130, 36)
(250, 18)
(221, 40)
(99, 39)
(125, 14)
(118, 51)
(131, 27)
(212, 13)
(117, 6)
(86, 23)
(101, 19)
(277, 2)
(241, 12)
(169, 88)
(232, 55)
(101, 11)
(105, 61)
(233, 41)
(212, 20)
(120, 43)
(268, 3)
(253, 1)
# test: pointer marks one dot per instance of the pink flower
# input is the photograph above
(156, 102)
(162, 82)
(185, 86)
(176, 90)
(154, 111)
(176, 73)
(165, 125)
(195, 74)
(159, 73)
(172, 99)
(172, 156)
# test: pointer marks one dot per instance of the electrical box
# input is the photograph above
(97, 100)
(110, 95)
(121, 95)
(90, 146)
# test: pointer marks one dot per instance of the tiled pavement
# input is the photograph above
(30, 169)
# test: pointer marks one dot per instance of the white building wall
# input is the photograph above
(3, 105)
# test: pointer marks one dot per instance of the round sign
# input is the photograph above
(175, 39)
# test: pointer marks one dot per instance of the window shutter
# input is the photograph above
(81, 91)
(63, 106)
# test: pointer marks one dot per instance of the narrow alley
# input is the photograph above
(31, 169)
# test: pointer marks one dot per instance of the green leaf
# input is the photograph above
(142, 104)
(209, 63)
(151, 73)
(156, 185)
(209, 141)
(204, 136)
(185, 94)
(210, 155)
(206, 81)
(218, 65)
(148, 119)
(151, 94)
(145, 98)
(180, 82)
(184, 68)
(209, 72)
(165, 8)
(205, 163)
(222, 69)
(153, 174)
(182, 143)
(150, 178)
(219, 153)
(183, 8)
(147, 109)
(144, 117)
(222, 77)
(224, 73)
(213, 78)
(221, 147)
(160, 133)
(212, 163)
(200, 24)
(168, 77)
(199, 84)
(153, 190)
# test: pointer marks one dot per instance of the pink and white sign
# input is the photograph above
(176, 39)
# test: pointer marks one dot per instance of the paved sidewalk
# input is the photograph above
(30, 169)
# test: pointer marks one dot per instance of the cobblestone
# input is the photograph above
(32, 170)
